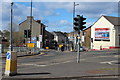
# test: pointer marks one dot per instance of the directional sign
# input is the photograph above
(30, 45)
(8, 55)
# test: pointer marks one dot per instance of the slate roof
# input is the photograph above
(59, 33)
(114, 20)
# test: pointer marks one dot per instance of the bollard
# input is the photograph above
(11, 63)
(71, 49)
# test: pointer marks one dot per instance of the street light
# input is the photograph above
(31, 22)
(74, 5)
(11, 47)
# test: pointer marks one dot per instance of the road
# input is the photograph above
(63, 64)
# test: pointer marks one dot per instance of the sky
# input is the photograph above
(57, 16)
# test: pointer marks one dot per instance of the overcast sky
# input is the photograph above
(58, 16)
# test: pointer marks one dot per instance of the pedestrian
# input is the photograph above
(62, 48)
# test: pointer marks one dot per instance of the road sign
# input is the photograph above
(33, 38)
(8, 55)
(82, 39)
(30, 45)
(60, 45)
(11, 63)
(40, 38)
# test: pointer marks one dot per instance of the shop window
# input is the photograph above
(97, 39)
(106, 40)
(84, 33)
(102, 40)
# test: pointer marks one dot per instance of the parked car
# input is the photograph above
(82, 48)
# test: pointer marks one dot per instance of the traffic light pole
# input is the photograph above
(79, 26)
(31, 22)
(73, 26)
(78, 51)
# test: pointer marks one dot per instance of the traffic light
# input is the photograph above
(77, 23)
(82, 23)
(29, 33)
(25, 34)
(24, 41)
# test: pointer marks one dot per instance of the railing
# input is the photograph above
(21, 50)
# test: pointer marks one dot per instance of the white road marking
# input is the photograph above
(44, 65)
(40, 65)
(108, 62)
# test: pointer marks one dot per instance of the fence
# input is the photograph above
(21, 49)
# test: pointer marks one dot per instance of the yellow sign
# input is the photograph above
(47, 47)
(30, 45)
(60, 45)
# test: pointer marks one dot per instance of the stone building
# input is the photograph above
(38, 28)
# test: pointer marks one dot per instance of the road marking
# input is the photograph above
(117, 56)
(44, 65)
(108, 62)
(25, 64)
(40, 65)
(31, 56)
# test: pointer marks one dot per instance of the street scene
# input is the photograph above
(59, 40)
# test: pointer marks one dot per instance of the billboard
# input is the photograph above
(102, 33)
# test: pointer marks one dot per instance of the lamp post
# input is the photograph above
(11, 47)
(31, 22)
(74, 5)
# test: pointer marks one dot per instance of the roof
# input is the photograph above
(87, 28)
(37, 21)
(59, 33)
(113, 20)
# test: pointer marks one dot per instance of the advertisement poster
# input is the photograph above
(102, 33)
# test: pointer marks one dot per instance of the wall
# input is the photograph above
(87, 38)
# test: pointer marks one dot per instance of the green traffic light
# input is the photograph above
(25, 36)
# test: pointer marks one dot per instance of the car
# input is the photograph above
(82, 48)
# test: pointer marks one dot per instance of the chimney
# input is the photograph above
(29, 17)
(39, 21)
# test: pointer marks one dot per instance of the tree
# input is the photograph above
(15, 27)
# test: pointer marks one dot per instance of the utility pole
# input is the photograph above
(79, 26)
(78, 50)
(31, 22)
(74, 4)
(73, 25)
(11, 47)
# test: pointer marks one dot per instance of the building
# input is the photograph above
(86, 37)
(105, 33)
(37, 29)
(72, 35)
(49, 38)
(59, 37)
